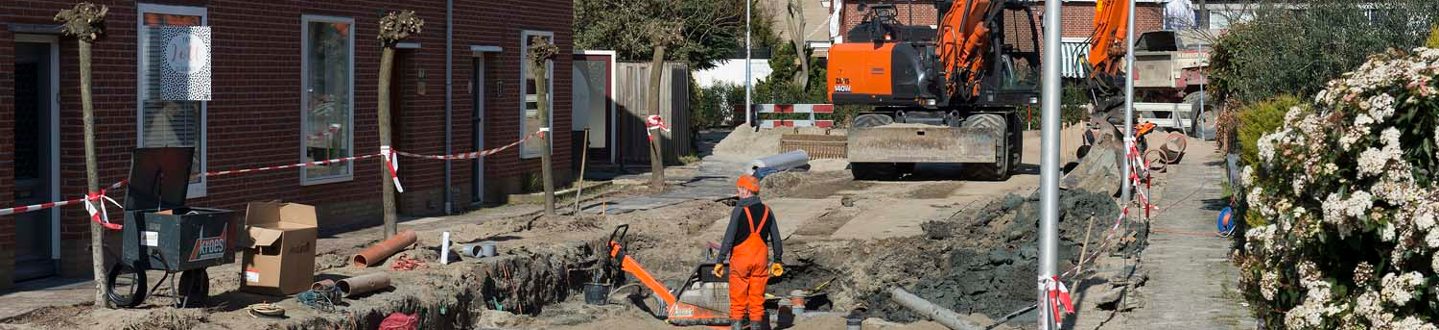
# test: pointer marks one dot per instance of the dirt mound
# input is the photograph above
(745, 143)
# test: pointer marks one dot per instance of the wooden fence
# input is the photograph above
(631, 97)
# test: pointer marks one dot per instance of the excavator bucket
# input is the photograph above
(918, 143)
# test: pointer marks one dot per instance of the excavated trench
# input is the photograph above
(522, 282)
(973, 263)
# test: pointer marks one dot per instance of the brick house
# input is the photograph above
(289, 80)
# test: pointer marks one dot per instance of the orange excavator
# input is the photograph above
(944, 94)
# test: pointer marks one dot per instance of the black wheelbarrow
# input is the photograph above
(161, 233)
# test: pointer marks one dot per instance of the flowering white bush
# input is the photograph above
(1350, 191)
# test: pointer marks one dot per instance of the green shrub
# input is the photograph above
(1433, 41)
(1259, 119)
(1349, 192)
(1287, 51)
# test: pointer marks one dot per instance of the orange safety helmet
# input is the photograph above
(747, 182)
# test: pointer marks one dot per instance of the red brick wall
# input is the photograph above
(7, 150)
(253, 119)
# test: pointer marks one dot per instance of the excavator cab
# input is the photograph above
(944, 94)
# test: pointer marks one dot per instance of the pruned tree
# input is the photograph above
(86, 22)
(709, 30)
(662, 34)
(541, 52)
(394, 27)
(796, 37)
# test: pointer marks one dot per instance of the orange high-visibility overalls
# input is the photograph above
(749, 272)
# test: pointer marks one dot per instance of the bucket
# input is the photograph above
(597, 293)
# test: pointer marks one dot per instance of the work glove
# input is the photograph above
(776, 269)
(718, 270)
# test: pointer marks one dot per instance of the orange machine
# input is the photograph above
(962, 82)
(709, 307)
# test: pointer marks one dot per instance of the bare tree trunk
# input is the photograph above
(92, 176)
(387, 185)
(542, 104)
(657, 162)
(796, 33)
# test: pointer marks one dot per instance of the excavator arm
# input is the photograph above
(1106, 50)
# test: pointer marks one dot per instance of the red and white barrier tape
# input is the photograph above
(474, 154)
(288, 166)
(94, 202)
(1057, 294)
(652, 123)
(393, 165)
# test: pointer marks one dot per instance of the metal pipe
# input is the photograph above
(940, 315)
(1049, 155)
(748, 114)
(1125, 189)
(384, 249)
(449, 98)
(360, 285)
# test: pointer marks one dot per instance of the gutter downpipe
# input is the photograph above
(449, 98)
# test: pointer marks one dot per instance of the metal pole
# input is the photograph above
(748, 115)
(1049, 156)
(1125, 192)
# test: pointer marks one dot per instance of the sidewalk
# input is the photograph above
(1192, 284)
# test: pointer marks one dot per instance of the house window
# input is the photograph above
(529, 109)
(327, 102)
(167, 123)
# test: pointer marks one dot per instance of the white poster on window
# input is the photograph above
(185, 67)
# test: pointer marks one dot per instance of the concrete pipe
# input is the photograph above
(322, 285)
(940, 315)
(384, 249)
(363, 284)
(780, 162)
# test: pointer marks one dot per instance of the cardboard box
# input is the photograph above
(280, 256)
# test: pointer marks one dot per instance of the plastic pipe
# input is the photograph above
(445, 249)
(363, 284)
(940, 315)
(779, 162)
(384, 249)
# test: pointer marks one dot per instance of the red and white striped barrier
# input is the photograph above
(811, 109)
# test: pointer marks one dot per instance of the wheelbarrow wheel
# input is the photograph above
(194, 288)
(125, 285)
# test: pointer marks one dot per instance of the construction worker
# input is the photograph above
(751, 225)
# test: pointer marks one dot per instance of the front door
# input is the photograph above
(477, 125)
(36, 109)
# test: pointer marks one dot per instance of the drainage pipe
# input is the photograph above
(384, 249)
(360, 285)
(941, 315)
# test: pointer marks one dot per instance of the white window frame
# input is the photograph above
(524, 88)
(305, 21)
(197, 189)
